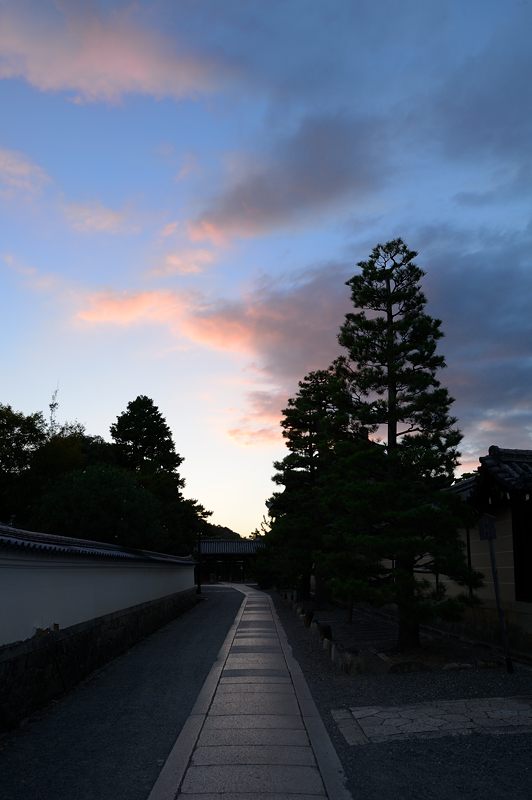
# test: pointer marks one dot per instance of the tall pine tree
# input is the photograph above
(315, 421)
(143, 439)
(393, 363)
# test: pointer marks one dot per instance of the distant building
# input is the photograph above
(502, 488)
(227, 559)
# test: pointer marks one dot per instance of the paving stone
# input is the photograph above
(255, 688)
(446, 717)
(254, 704)
(257, 661)
(253, 754)
(239, 778)
(252, 796)
(254, 639)
(252, 736)
(352, 732)
(254, 721)
(259, 625)
(257, 672)
(340, 713)
(264, 680)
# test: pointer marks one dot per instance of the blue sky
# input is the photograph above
(186, 186)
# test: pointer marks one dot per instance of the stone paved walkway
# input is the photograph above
(493, 715)
(255, 732)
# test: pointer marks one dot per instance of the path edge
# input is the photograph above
(172, 773)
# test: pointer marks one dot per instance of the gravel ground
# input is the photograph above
(448, 768)
(109, 737)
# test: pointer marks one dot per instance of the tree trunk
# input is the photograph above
(350, 609)
(406, 605)
(408, 631)
(304, 586)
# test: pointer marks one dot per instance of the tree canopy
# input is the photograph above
(371, 445)
(143, 439)
(58, 479)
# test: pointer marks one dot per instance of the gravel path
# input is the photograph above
(109, 737)
(476, 767)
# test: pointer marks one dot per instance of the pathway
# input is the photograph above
(255, 732)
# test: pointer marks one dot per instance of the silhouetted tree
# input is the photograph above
(314, 421)
(101, 502)
(391, 343)
(20, 436)
(143, 439)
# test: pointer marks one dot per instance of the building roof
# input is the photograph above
(510, 468)
(230, 547)
(31, 541)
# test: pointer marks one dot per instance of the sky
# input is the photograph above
(186, 185)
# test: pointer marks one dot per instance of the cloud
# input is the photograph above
(289, 327)
(33, 278)
(18, 173)
(283, 330)
(327, 160)
(96, 218)
(484, 107)
(127, 308)
(99, 56)
(190, 261)
(189, 165)
(508, 189)
(170, 229)
(479, 283)
(260, 425)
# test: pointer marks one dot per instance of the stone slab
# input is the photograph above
(496, 715)
(259, 625)
(251, 796)
(255, 688)
(252, 736)
(252, 638)
(255, 660)
(259, 680)
(258, 703)
(257, 672)
(256, 778)
(271, 721)
(253, 754)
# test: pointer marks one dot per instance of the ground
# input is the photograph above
(474, 765)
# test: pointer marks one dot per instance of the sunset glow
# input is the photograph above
(186, 187)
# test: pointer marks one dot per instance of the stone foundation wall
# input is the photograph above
(34, 672)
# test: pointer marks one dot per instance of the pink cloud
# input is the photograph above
(189, 165)
(284, 331)
(249, 434)
(18, 173)
(289, 329)
(181, 313)
(100, 56)
(32, 278)
(108, 308)
(96, 218)
(169, 229)
(220, 332)
(260, 425)
(189, 261)
(218, 234)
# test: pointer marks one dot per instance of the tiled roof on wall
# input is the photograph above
(511, 468)
(31, 541)
(230, 547)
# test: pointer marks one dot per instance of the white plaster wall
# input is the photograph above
(39, 590)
